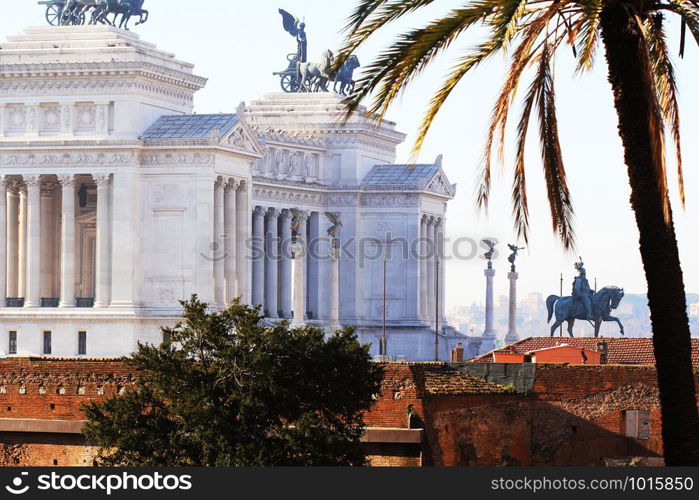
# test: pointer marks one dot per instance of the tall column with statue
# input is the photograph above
(512, 335)
(489, 333)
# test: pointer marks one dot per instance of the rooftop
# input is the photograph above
(445, 381)
(400, 175)
(620, 350)
(190, 126)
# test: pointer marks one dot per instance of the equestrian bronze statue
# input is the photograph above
(585, 304)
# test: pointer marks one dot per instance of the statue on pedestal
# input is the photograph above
(584, 304)
(490, 253)
(511, 259)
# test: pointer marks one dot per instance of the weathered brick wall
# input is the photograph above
(50, 389)
(36, 449)
(574, 416)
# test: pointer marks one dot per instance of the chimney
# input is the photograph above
(602, 348)
(457, 353)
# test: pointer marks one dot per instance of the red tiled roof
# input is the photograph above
(620, 350)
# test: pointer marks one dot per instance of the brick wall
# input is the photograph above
(574, 415)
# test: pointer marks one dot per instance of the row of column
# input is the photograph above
(295, 270)
(231, 227)
(432, 266)
(29, 229)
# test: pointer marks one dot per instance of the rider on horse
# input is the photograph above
(581, 289)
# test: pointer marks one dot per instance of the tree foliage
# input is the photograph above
(226, 390)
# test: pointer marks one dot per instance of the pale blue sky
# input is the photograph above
(238, 44)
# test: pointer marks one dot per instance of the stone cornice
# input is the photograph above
(102, 69)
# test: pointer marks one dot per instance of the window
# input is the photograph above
(82, 343)
(12, 347)
(47, 342)
(638, 424)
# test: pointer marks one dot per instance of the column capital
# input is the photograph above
(4, 181)
(242, 187)
(272, 213)
(219, 183)
(102, 180)
(66, 181)
(48, 188)
(231, 185)
(258, 211)
(33, 181)
(285, 215)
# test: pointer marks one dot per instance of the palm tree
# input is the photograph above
(642, 77)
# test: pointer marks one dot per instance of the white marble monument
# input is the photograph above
(119, 202)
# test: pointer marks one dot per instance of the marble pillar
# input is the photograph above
(285, 264)
(102, 285)
(313, 267)
(22, 243)
(47, 240)
(424, 252)
(431, 267)
(218, 245)
(300, 250)
(12, 240)
(258, 257)
(272, 264)
(512, 335)
(231, 247)
(441, 242)
(242, 234)
(67, 241)
(334, 312)
(489, 329)
(33, 259)
(3, 240)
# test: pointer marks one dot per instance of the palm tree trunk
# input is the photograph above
(628, 65)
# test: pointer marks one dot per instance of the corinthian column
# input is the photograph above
(12, 239)
(424, 252)
(67, 241)
(334, 320)
(231, 253)
(47, 240)
(258, 257)
(3, 240)
(219, 253)
(33, 263)
(489, 329)
(431, 265)
(512, 335)
(102, 254)
(299, 249)
(285, 264)
(243, 233)
(272, 264)
(22, 242)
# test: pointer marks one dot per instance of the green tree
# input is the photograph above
(642, 77)
(224, 390)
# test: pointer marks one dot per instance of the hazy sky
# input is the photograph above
(238, 44)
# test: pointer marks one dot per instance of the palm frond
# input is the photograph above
(370, 16)
(554, 170)
(655, 122)
(589, 33)
(688, 10)
(406, 58)
(666, 85)
(498, 123)
(520, 208)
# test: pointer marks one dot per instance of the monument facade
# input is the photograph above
(120, 202)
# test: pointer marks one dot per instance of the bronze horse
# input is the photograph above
(568, 309)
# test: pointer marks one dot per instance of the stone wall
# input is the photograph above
(573, 415)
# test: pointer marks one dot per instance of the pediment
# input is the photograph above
(439, 184)
(241, 138)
